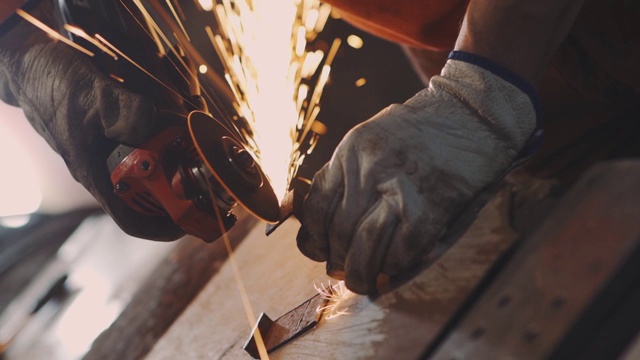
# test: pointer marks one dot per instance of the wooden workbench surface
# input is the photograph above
(399, 324)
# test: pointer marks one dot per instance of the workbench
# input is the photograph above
(563, 286)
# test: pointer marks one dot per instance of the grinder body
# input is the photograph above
(165, 176)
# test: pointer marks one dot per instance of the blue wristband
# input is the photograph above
(504, 74)
(535, 140)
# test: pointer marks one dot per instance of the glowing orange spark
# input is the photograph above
(159, 34)
(221, 90)
(323, 16)
(251, 318)
(152, 31)
(207, 5)
(115, 49)
(52, 33)
(355, 41)
(337, 296)
(80, 33)
(175, 15)
(333, 51)
(116, 78)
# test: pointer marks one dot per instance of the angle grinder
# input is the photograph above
(195, 170)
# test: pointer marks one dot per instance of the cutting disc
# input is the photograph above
(234, 166)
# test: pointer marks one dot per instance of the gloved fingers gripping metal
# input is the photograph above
(396, 182)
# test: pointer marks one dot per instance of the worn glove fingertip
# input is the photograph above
(335, 272)
(145, 114)
(127, 117)
(310, 247)
(358, 285)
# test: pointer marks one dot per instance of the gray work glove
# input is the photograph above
(396, 181)
(81, 113)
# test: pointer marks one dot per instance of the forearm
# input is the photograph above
(518, 35)
(8, 7)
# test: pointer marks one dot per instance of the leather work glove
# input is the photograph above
(397, 181)
(80, 112)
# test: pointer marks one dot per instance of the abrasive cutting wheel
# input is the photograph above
(233, 166)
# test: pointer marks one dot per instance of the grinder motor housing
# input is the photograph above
(164, 176)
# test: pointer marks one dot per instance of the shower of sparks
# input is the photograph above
(131, 61)
(276, 81)
(80, 33)
(52, 33)
(100, 43)
(337, 296)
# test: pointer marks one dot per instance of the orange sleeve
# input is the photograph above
(8, 7)
(431, 24)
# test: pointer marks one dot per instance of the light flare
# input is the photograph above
(207, 5)
(355, 41)
(323, 16)
(311, 20)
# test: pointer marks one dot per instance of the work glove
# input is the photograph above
(396, 181)
(80, 112)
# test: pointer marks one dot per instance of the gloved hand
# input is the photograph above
(396, 181)
(81, 113)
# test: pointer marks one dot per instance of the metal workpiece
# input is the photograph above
(276, 333)
(291, 205)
